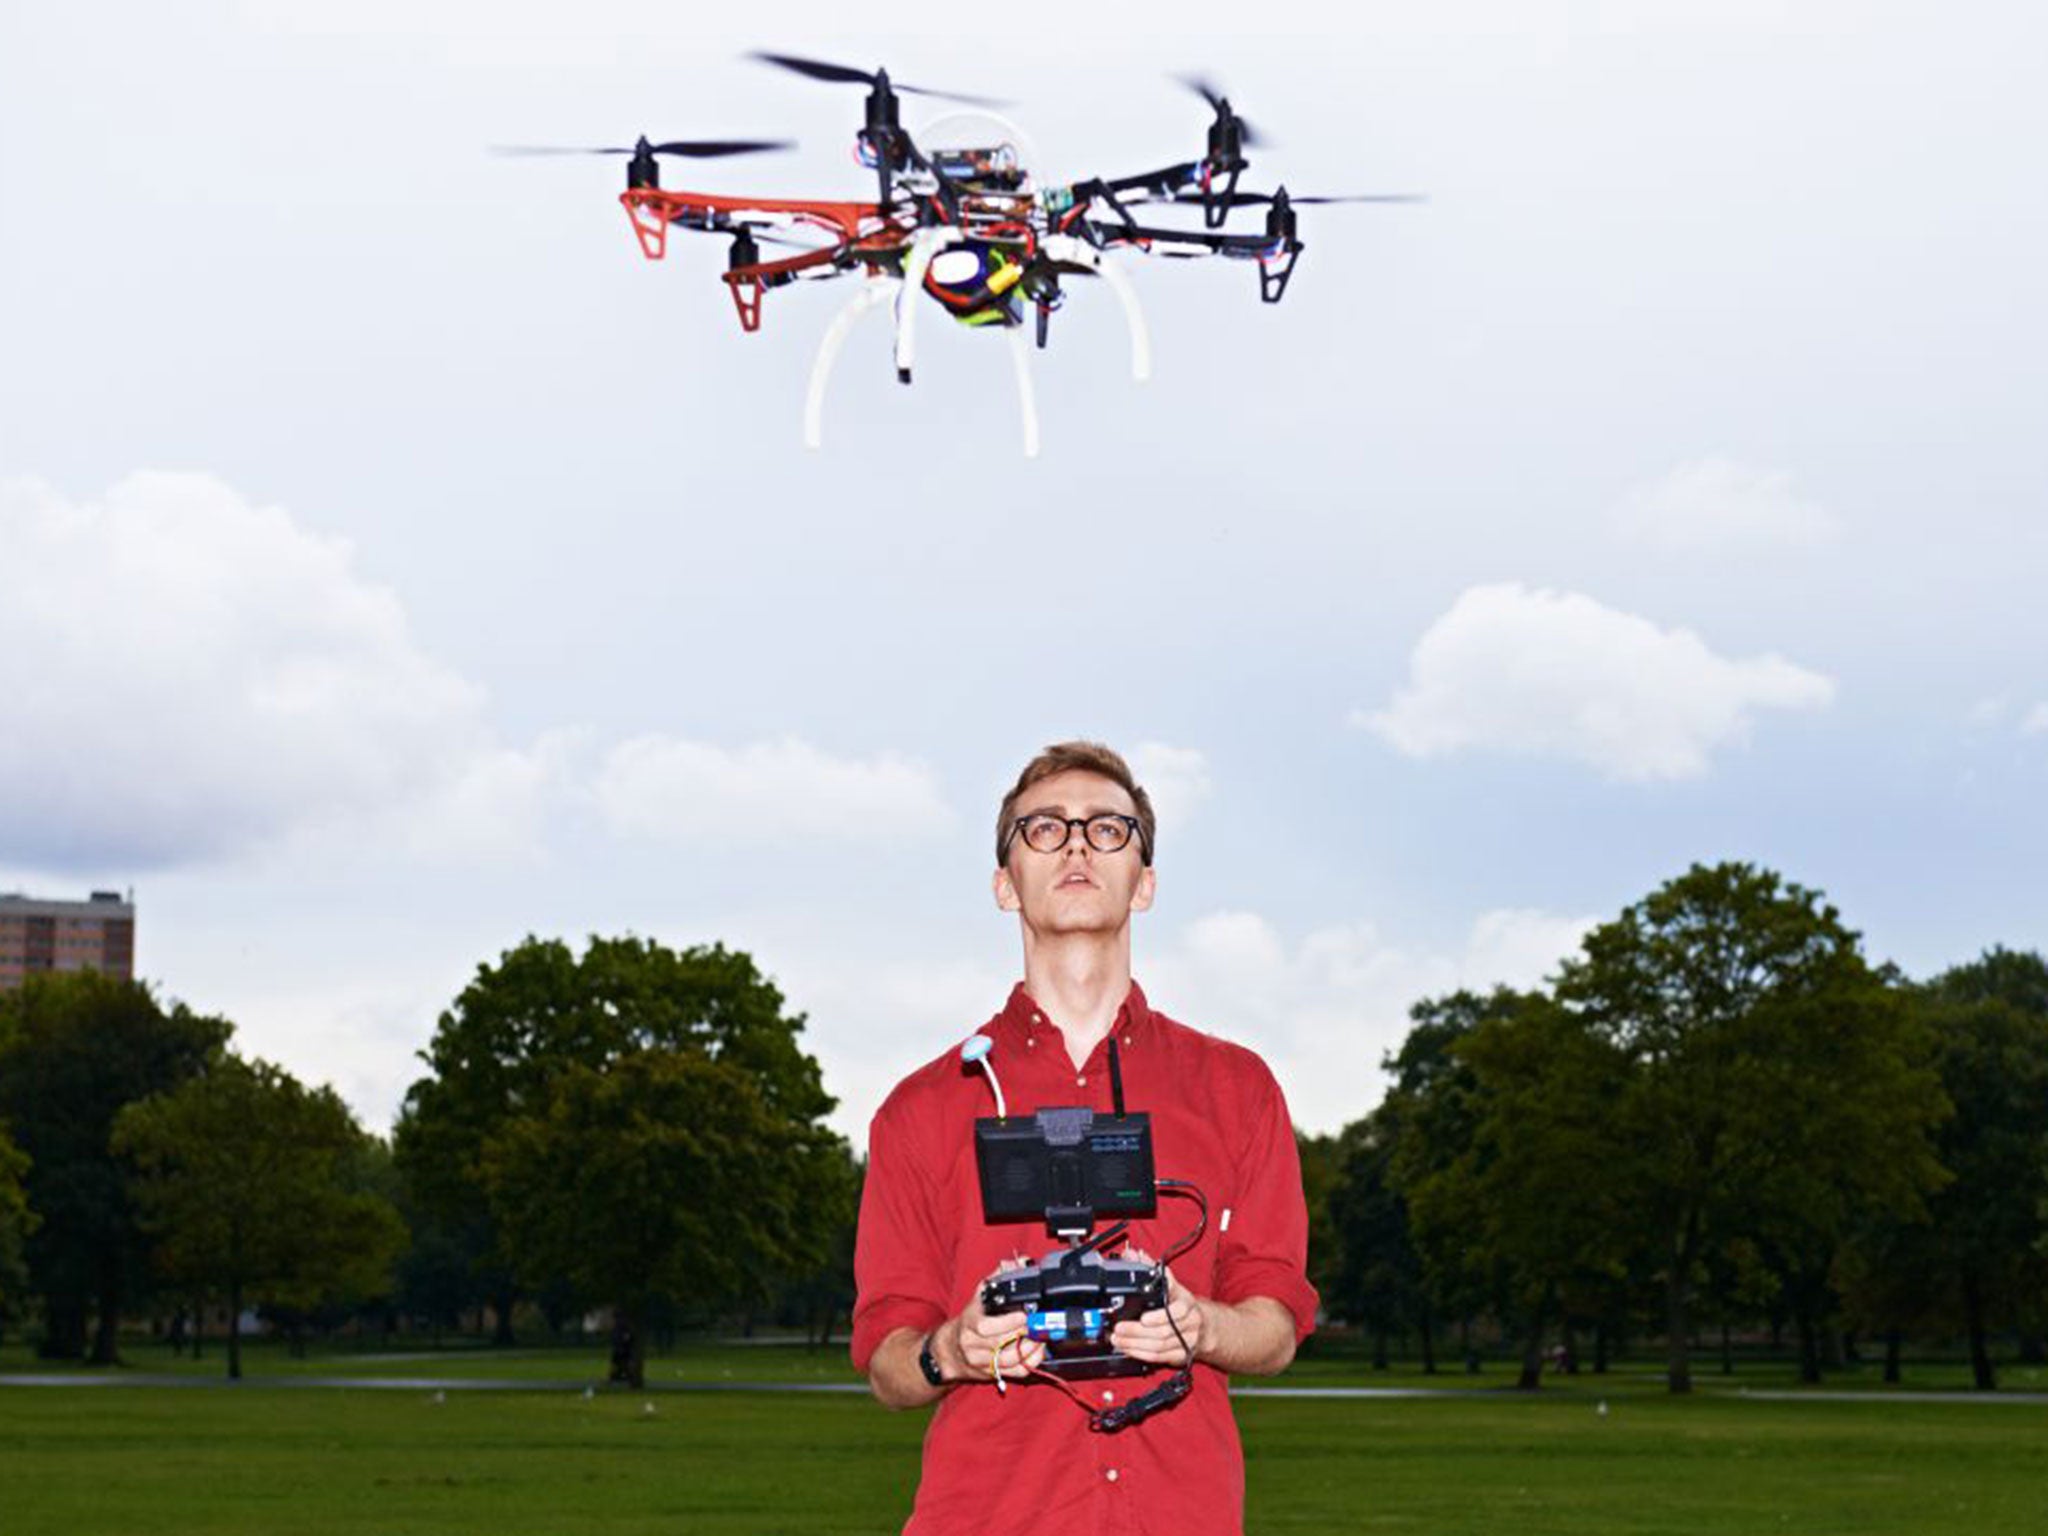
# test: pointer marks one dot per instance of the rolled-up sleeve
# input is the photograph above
(1263, 1247)
(900, 1263)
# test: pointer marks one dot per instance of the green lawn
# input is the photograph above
(1328, 1360)
(83, 1461)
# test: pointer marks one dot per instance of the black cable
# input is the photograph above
(1183, 1187)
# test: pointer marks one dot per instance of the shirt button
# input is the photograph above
(1080, 1082)
(1110, 1474)
(1108, 1396)
(1031, 1040)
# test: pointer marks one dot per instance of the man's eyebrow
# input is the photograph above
(1061, 810)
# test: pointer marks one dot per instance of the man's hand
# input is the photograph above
(974, 1345)
(1151, 1337)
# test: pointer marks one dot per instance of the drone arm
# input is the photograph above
(1065, 248)
(1160, 183)
(874, 292)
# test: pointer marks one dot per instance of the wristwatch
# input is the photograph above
(929, 1363)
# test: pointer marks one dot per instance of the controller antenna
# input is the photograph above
(974, 1051)
(1116, 1077)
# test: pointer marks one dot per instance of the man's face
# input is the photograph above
(1077, 889)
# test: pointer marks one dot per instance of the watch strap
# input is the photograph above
(929, 1363)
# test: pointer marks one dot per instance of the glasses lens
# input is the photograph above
(1106, 834)
(1048, 834)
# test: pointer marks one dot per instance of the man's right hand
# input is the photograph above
(973, 1346)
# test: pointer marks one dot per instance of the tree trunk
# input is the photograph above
(1727, 1350)
(1892, 1340)
(1678, 1343)
(1981, 1372)
(1428, 1344)
(1379, 1349)
(106, 1339)
(501, 1310)
(1600, 1347)
(235, 1331)
(64, 1329)
(629, 1347)
(1531, 1377)
(1809, 1343)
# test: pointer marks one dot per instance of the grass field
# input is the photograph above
(257, 1458)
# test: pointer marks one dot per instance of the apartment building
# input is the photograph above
(97, 934)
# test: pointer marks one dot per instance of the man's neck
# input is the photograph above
(1079, 981)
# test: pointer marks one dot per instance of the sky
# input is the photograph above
(395, 564)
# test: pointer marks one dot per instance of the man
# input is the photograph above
(1074, 843)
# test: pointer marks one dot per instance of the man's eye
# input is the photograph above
(1044, 831)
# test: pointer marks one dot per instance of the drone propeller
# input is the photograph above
(1251, 199)
(1220, 105)
(846, 74)
(695, 149)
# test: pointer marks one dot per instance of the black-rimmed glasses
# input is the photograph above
(1043, 832)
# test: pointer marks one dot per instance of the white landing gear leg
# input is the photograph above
(1020, 359)
(1081, 254)
(874, 293)
(924, 245)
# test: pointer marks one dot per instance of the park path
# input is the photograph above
(516, 1384)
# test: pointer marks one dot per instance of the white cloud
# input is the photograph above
(1324, 1012)
(1715, 503)
(1177, 779)
(2035, 721)
(780, 791)
(1519, 946)
(187, 673)
(1550, 674)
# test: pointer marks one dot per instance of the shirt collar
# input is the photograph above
(1022, 1018)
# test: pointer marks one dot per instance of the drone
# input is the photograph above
(965, 224)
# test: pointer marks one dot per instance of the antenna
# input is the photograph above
(1116, 1076)
(974, 1052)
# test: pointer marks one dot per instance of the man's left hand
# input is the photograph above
(1151, 1337)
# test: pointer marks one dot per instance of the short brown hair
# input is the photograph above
(1083, 757)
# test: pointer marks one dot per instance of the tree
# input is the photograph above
(1429, 1115)
(250, 1184)
(665, 1175)
(539, 1047)
(78, 1047)
(1776, 1087)
(1373, 1275)
(1991, 1020)
(1538, 1193)
(16, 1222)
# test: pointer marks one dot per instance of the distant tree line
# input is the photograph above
(634, 1130)
(1719, 1118)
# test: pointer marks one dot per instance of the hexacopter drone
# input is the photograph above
(965, 225)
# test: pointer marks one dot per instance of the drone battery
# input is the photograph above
(1065, 1166)
(1056, 1327)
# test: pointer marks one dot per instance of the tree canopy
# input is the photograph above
(248, 1182)
(75, 1048)
(638, 1122)
(1775, 1086)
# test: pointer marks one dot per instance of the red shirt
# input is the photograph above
(1026, 1461)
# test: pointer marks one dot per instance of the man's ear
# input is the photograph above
(1141, 894)
(1006, 891)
